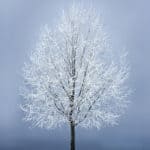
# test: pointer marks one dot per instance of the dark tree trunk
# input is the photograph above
(72, 136)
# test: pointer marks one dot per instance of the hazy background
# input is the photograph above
(128, 21)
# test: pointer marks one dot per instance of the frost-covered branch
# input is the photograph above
(72, 76)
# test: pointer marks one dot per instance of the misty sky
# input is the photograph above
(128, 23)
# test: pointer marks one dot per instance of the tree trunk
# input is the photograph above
(72, 136)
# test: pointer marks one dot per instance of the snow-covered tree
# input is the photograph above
(73, 77)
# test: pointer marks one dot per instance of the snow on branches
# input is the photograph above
(71, 76)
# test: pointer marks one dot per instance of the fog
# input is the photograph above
(128, 22)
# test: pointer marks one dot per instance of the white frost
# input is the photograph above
(71, 76)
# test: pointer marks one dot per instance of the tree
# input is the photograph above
(72, 76)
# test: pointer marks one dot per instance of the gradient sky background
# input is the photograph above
(128, 21)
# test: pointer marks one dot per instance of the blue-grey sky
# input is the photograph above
(128, 22)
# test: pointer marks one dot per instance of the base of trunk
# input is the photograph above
(72, 141)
